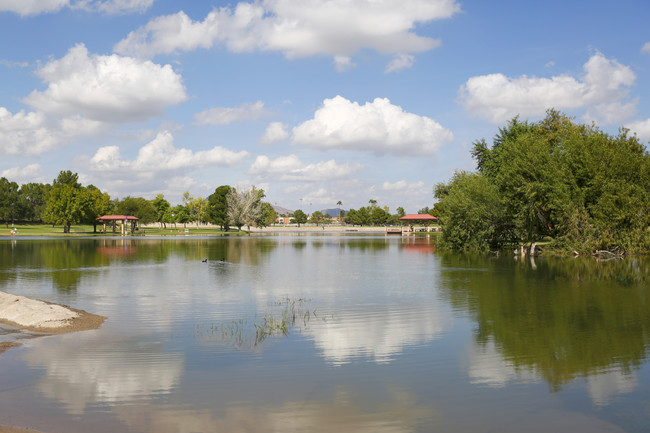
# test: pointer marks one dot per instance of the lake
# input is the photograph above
(325, 333)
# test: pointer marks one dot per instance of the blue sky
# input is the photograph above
(315, 101)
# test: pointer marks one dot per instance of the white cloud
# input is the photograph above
(307, 28)
(499, 98)
(641, 128)
(32, 133)
(26, 133)
(343, 63)
(32, 7)
(226, 115)
(402, 185)
(106, 88)
(13, 63)
(290, 168)
(114, 6)
(160, 155)
(36, 7)
(401, 61)
(646, 48)
(29, 173)
(275, 132)
(378, 127)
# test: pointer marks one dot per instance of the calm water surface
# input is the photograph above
(325, 333)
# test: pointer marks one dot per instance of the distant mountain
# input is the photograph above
(333, 212)
(282, 210)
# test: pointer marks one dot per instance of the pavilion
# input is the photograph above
(115, 218)
(424, 218)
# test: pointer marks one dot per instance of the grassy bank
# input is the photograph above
(87, 230)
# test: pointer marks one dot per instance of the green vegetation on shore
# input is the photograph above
(580, 188)
(88, 230)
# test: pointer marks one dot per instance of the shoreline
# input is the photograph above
(41, 317)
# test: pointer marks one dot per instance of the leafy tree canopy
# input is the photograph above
(585, 189)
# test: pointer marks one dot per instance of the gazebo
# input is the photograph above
(424, 218)
(115, 218)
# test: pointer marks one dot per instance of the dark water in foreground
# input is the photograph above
(326, 333)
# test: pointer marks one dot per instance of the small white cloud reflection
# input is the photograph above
(602, 387)
(379, 336)
(399, 413)
(487, 367)
(82, 371)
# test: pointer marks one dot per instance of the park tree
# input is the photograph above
(267, 215)
(586, 189)
(319, 218)
(379, 216)
(139, 207)
(218, 207)
(244, 207)
(8, 200)
(180, 215)
(94, 204)
(474, 213)
(163, 210)
(299, 217)
(33, 198)
(65, 202)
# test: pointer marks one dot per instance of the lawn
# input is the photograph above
(87, 230)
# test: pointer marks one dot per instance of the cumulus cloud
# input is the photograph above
(32, 7)
(226, 115)
(33, 133)
(106, 88)
(20, 175)
(296, 29)
(161, 156)
(499, 98)
(401, 61)
(26, 133)
(275, 132)
(402, 185)
(343, 63)
(641, 128)
(37, 7)
(378, 127)
(646, 48)
(290, 168)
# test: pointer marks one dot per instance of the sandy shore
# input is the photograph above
(44, 318)
(7, 429)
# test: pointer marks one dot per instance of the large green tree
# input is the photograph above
(139, 207)
(299, 217)
(65, 202)
(163, 210)
(267, 215)
(8, 200)
(32, 198)
(94, 204)
(218, 207)
(586, 189)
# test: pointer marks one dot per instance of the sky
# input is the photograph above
(314, 101)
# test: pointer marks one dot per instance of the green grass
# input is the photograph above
(87, 230)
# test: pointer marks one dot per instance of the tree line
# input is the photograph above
(66, 202)
(580, 188)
